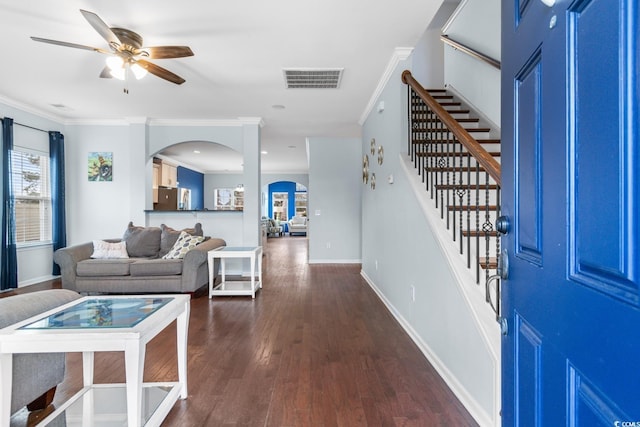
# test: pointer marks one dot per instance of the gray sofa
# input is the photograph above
(144, 271)
(35, 376)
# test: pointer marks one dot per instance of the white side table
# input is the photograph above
(236, 287)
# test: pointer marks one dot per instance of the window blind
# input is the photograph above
(32, 196)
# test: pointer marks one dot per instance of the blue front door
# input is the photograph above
(571, 164)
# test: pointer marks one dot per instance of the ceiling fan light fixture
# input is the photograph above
(138, 71)
(118, 73)
(114, 62)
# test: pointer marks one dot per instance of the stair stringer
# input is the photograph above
(473, 295)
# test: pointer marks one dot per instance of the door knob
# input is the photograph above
(503, 224)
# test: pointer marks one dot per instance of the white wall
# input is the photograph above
(401, 256)
(99, 210)
(475, 24)
(334, 200)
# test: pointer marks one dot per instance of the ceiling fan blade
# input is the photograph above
(102, 28)
(67, 44)
(163, 73)
(166, 52)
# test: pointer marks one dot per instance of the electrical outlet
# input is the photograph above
(413, 293)
(328, 245)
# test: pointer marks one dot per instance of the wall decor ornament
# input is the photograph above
(380, 155)
(373, 146)
(100, 166)
(365, 169)
(373, 181)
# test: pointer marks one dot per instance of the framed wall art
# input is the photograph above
(100, 166)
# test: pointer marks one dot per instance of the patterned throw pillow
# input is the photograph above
(184, 244)
(169, 236)
(106, 250)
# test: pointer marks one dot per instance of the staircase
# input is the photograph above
(458, 161)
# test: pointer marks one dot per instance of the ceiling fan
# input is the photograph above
(127, 52)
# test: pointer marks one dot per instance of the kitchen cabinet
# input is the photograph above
(169, 175)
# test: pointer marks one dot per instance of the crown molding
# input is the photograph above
(31, 110)
(399, 54)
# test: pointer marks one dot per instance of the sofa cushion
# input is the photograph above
(104, 267)
(156, 267)
(142, 241)
(169, 236)
(184, 244)
(103, 250)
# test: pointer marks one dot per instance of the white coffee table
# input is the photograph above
(236, 287)
(103, 323)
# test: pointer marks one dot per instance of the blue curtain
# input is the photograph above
(59, 231)
(8, 261)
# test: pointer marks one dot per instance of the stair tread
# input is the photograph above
(466, 187)
(461, 120)
(492, 263)
(481, 233)
(440, 141)
(427, 154)
(454, 169)
(472, 208)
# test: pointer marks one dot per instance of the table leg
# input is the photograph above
(6, 375)
(210, 262)
(183, 333)
(223, 268)
(134, 368)
(253, 274)
(260, 268)
(87, 368)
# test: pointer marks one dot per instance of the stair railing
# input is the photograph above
(463, 179)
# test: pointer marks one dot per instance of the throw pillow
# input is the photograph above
(106, 250)
(142, 241)
(169, 236)
(184, 244)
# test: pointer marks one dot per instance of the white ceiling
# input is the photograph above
(240, 47)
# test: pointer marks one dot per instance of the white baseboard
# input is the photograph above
(335, 261)
(36, 280)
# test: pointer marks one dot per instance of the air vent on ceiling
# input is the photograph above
(310, 78)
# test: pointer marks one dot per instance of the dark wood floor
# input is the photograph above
(315, 348)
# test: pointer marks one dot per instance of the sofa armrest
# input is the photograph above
(69, 257)
(195, 259)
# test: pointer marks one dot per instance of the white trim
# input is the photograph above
(399, 54)
(30, 109)
(335, 261)
(453, 16)
(36, 280)
(205, 122)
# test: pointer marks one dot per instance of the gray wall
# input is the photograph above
(334, 200)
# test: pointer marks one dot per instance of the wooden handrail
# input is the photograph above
(485, 159)
(469, 51)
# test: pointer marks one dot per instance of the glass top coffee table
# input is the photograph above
(103, 323)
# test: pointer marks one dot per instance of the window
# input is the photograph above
(32, 195)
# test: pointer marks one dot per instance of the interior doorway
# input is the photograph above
(284, 202)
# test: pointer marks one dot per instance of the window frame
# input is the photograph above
(45, 221)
